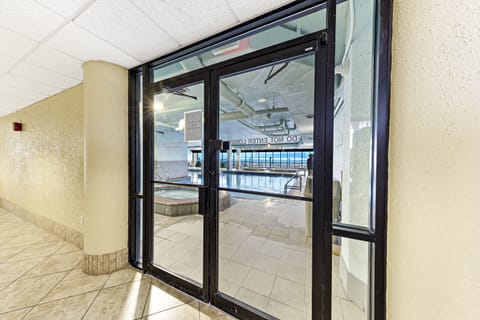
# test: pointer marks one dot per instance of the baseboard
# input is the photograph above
(65, 233)
(105, 263)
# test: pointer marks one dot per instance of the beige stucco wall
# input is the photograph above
(434, 182)
(41, 168)
(106, 157)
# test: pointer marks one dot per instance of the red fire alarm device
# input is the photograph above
(17, 126)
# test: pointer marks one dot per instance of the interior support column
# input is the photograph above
(106, 167)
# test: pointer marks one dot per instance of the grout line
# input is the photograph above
(91, 304)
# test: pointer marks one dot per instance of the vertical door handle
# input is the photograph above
(202, 200)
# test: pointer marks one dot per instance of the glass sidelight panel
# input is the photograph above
(351, 280)
(178, 175)
(265, 258)
(263, 113)
(354, 113)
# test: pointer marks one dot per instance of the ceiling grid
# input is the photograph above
(43, 43)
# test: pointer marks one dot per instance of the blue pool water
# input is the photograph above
(262, 182)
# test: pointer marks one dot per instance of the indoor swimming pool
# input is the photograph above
(252, 181)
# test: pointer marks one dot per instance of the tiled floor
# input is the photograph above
(265, 259)
(40, 278)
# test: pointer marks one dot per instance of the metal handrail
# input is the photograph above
(294, 177)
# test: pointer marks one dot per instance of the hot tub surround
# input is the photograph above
(174, 207)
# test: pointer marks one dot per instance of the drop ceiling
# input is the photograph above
(43, 43)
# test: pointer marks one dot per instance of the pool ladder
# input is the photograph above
(298, 187)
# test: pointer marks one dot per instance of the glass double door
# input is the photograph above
(224, 224)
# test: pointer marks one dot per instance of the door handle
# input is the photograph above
(202, 201)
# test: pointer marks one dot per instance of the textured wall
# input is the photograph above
(41, 168)
(434, 182)
(106, 157)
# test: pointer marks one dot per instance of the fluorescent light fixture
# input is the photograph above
(262, 100)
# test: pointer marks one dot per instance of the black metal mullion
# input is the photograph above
(211, 160)
(323, 170)
(133, 168)
(380, 182)
(148, 168)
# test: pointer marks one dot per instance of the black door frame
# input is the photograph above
(149, 90)
(313, 44)
(376, 234)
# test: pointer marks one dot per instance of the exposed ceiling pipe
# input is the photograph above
(237, 115)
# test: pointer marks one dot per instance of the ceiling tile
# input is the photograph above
(28, 85)
(84, 46)
(13, 44)
(189, 21)
(6, 63)
(45, 76)
(122, 24)
(64, 8)
(57, 61)
(248, 9)
(28, 18)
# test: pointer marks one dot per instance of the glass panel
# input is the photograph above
(353, 112)
(277, 34)
(178, 231)
(265, 258)
(350, 279)
(257, 111)
(179, 132)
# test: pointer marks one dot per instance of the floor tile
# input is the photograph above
(259, 281)
(6, 253)
(15, 315)
(39, 249)
(289, 293)
(70, 308)
(121, 302)
(10, 271)
(253, 298)
(163, 297)
(292, 272)
(209, 312)
(75, 283)
(55, 263)
(27, 292)
(68, 247)
(184, 312)
(283, 311)
(124, 276)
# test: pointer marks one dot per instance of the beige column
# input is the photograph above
(106, 167)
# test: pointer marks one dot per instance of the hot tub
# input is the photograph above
(177, 201)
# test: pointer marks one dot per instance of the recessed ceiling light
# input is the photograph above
(262, 100)
(158, 106)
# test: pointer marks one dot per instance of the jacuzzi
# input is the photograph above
(175, 201)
